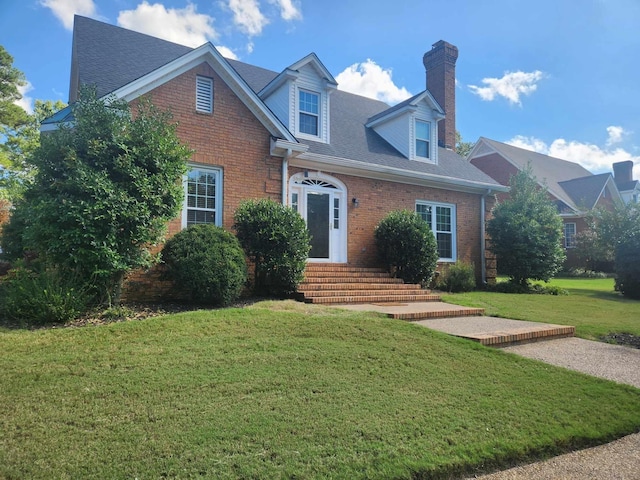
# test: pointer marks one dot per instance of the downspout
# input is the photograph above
(285, 175)
(483, 246)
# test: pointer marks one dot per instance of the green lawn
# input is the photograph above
(592, 306)
(285, 390)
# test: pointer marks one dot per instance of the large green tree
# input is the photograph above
(526, 232)
(104, 190)
(11, 79)
(19, 143)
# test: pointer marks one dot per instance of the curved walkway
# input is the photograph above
(616, 460)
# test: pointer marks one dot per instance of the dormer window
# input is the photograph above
(423, 135)
(308, 112)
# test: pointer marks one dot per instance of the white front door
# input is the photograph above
(321, 202)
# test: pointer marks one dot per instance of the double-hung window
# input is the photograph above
(423, 136)
(441, 218)
(309, 112)
(569, 235)
(203, 191)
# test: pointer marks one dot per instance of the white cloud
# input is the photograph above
(180, 25)
(594, 158)
(227, 52)
(511, 86)
(66, 9)
(370, 80)
(615, 134)
(25, 102)
(289, 10)
(247, 16)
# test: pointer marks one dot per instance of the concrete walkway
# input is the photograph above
(615, 460)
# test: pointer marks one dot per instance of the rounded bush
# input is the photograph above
(207, 263)
(407, 246)
(459, 277)
(628, 266)
(276, 239)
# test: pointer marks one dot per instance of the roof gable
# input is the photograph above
(292, 72)
(354, 148)
(408, 106)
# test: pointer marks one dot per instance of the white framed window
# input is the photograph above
(423, 139)
(204, 94)
(441, 218)
(569, 235)
(309, 113)
(203, 196)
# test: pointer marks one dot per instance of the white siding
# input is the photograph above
(398, 132)
(425, 113)
(309, 79)
(279, 102)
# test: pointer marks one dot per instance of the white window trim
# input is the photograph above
(319, 136)
(564, 232)
(454, 226)
(218, 197)
(428, 159)
(201, 85)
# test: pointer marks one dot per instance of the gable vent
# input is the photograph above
(204, 94)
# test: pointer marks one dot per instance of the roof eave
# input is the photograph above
(314, 161)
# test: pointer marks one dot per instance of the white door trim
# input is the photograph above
(300, 185)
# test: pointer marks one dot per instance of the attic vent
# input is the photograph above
(204, 94)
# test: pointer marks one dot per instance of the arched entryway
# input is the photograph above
(321, 200)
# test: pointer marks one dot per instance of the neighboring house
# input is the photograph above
(628, 187)
(573, 188)
(342, 160)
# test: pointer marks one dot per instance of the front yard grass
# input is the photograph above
(286, 390)
(592, 306)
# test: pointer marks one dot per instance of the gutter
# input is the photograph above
(285, 175)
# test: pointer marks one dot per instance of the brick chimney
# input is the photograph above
(623, 172)
(440, 66)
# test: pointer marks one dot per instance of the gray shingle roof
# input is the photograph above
(111, 57)
(585, 191)
(546, 169)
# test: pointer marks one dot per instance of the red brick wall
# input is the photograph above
(377, 198)
(233, 139)
(230, 138)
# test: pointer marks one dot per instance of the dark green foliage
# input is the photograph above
(526, 232)
(11, 115)
(104, 191)
(459, 277)
(628, 265)
(207, 263)
(38, 298)
(11, 233)
(277, 241)
(514, 287)
(407, 246)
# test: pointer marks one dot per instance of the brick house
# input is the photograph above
(573, 188)
(342, 160)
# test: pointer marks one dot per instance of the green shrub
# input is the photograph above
(514, 287)
(207, 263)
(459, 277)
(407, 247)
(628, 266)
(276, 239)
(38, 298)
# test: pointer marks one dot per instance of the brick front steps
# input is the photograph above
(372, 289)
(332, 284)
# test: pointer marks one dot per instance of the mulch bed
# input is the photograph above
(625, 339)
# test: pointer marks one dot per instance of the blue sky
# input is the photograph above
(557, 76)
